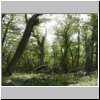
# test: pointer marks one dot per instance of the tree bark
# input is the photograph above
(42, 53)
(72, 57)
(88, 66)
(23, 43)
(64, 58)
(63, 61)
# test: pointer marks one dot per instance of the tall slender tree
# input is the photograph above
(6, 30)
(78, 49)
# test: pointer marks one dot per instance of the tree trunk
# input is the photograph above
(54, 55)
(72, 57)
(78, 49)
(23, 43)
(42, 53)
(97, 57)
(63, 63)
(92, 53)
(88, 66)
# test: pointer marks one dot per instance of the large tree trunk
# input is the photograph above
(63, 61)
(22, 44)
(88, 66)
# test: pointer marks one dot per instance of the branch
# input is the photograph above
(26, 19)
(3, 15)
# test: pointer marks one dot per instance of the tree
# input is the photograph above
(78, 49)
(93, 43)
(40, 41)
(7, 27)
(88, 55)
(94, 37)
(23, 42)
(64, 33)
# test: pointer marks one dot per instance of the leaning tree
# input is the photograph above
(33, 21)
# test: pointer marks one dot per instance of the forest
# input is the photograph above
(49, 49)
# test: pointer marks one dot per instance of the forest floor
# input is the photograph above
(41, 79)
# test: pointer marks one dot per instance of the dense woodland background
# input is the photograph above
(49, 49)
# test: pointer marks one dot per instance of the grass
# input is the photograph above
(41, 79)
